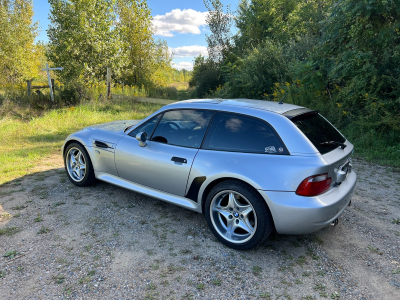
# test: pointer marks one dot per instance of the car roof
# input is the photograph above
(249, 103)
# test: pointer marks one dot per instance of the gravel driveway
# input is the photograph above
(103, 242)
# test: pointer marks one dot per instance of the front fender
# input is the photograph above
(102, 159)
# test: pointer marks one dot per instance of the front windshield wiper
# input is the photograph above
(333, 143)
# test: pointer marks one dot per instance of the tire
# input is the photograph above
(237, 215)
(78, 165)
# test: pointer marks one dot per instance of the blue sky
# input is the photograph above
(181, 23)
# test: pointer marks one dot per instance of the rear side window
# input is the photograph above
(319, 131)
(239, 133)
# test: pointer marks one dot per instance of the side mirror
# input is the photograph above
(142, 138)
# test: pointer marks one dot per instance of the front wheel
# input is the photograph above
(78, 165)
(237, 215)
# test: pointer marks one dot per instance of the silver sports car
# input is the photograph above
(250, 166)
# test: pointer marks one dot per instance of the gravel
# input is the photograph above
(104, 242)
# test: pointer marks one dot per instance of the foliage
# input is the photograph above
(146, 60)
(360, 52)
(163, 92)
(219, 23)
(88, 36)
(340, 57)
(279, 20)
(206, 76)
(254, 75)
(83, 39)
(19, 56)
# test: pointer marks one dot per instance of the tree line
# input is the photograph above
(85, 37)
(341, 57)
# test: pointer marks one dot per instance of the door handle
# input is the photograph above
(179, 160)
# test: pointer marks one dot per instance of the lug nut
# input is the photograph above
(230, 217)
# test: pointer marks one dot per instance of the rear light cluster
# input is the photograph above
(314, 185)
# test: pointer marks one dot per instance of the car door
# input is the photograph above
(174, 138)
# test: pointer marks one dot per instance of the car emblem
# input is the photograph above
(235, 214)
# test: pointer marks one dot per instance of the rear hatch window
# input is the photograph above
(324, 136)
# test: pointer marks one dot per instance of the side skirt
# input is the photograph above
(170, 198)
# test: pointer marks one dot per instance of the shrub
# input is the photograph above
(254, 75)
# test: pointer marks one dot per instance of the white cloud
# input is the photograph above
(181, 21)
(185, 51)
(183, 65)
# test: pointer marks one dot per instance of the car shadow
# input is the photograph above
(121, 230)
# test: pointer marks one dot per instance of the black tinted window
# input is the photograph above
(319, 131)
(234, 132)
(184, 127)
(147, 127)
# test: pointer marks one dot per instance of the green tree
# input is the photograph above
(360, 53)
(220, 23)
(142, 53)
(161, 71)
(206, 76)
(83, 39)
(254, 75)
(19, 56)
(279, 20)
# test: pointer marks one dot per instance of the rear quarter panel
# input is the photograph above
(262, 171)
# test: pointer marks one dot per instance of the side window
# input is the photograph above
(147, 127)
(239, 133)
(183, 127)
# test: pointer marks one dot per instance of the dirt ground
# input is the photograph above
(60, 241)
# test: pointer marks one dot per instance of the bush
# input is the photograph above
(163, 92)
(73, 93)
(254, 76)
(206, 77)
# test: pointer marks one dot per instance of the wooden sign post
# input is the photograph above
(50, 82)
(108, 83)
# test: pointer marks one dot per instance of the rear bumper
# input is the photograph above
(295, 214)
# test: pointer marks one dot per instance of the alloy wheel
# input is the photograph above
(233, 216)
(76, 164)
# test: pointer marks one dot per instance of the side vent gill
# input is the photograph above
(101, 144)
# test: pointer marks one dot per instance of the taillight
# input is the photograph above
(314, 185)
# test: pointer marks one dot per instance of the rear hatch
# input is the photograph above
(331, 144)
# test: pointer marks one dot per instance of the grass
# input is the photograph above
(11, 254)
(38, 219)
(27, 137)
(59, 279)
(374, 146)
(9, 231)
(257, 271)
(43, 230)
(395, 221)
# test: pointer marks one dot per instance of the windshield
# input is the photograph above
(324, 136)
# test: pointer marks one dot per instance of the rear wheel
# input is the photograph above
(237, 215)
(78, 165)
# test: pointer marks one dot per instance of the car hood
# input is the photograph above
(114, 126)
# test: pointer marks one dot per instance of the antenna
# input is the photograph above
(281, 102)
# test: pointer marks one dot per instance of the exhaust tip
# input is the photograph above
(335, 222)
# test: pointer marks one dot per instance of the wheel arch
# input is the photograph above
(80, 142)
(213, 183)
